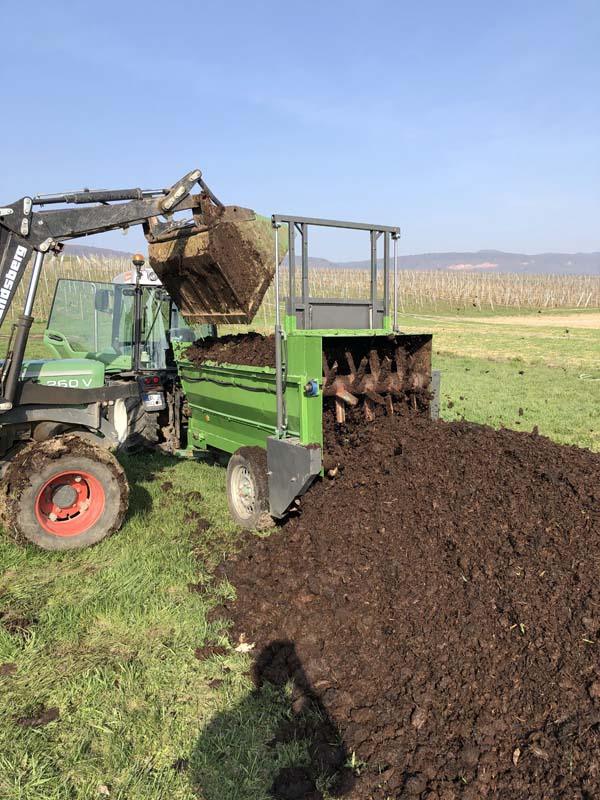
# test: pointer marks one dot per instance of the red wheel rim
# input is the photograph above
(70, 503)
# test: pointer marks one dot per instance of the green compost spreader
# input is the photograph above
(333, 357)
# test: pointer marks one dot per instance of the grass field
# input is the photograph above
(536, 369)
(109, 637)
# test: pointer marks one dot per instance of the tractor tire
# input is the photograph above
(65, 493)
(142, 428)
(248, 488)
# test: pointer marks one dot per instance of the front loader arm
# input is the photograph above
(24, 231)
(15, 252)
(44, 230)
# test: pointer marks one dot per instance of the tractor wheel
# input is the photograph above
(142, 428)
(248, 488)
(63, 494)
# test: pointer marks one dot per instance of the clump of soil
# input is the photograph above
(248, 349)
(201, 525)
(202, 653)
(194, 497)
(15, 623)
(442, 596)
(39, 717)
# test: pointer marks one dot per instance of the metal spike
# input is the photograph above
(351, 364)
(401, 363)
(340, 411)
(375, 397)
(360, 375)
(331, 377)
(374, 362)
(384, 372)
(346, 396)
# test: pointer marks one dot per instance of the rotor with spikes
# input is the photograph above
(376, 381)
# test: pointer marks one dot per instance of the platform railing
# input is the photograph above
(301, 308)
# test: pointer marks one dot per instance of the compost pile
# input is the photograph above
(442, 595)
(247, 349)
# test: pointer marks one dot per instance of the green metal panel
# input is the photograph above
(72, 373)
(305, 358)
(234, 406)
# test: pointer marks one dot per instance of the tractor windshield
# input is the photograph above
(97, 320)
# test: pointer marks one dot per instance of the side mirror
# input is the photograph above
(102, 300)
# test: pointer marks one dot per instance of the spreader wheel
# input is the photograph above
(63, 494)
(248, 488)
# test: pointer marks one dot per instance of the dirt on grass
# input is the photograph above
(443, 600)
(39, 717)
(15, 623)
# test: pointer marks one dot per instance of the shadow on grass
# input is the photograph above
(279, 742)
(143, 468)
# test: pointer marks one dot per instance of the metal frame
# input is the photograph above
(24, 231)
(301, 226)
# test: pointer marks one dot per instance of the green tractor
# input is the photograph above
(122, 331)
(112, 386)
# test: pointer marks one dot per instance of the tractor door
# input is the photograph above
(96, 320)
(154, 349)
(89, 320)
(161, 324)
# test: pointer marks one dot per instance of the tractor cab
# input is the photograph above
(125, 330)
(128, 325)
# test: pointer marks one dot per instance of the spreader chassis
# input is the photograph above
(328, 352)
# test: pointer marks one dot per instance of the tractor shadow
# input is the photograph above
(279, 742)
(140, 469)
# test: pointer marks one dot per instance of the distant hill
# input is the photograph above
(498, 261)
(87, 251)
(479, 261)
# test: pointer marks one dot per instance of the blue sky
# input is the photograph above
(470, 124)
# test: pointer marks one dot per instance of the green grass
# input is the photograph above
(513, 394)
(518, 376)
(111, 645)
(548, 345)
(114, 628)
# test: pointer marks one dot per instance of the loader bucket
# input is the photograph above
(220, 274)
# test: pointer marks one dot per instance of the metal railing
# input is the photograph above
(301, 307)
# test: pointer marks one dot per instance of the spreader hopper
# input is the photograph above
(220, 273)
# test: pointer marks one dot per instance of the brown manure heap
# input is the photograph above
(442, 595)
(247, 349)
